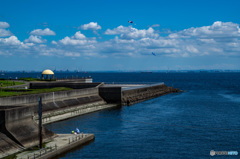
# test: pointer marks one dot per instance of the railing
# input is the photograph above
(131, 83)
(71, 78)
(46, 150)
(40, 152)
(76, 138)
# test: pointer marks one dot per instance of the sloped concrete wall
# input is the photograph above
(7, 146)
(33, 98)
(18, 125)
(67, 103)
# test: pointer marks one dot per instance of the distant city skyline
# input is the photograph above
(119, 36)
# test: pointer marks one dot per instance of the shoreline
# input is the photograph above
(58, 106)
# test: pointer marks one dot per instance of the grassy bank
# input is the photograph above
(6, 83)
(35, 79)
(17, 92)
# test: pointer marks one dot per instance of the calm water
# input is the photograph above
(184, 125)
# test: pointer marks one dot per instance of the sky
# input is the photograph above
(95, 35)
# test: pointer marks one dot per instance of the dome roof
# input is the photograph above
(47, 72)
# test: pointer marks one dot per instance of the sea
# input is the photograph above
(204, 117)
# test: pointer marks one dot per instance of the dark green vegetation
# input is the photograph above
(17, 92)
(35, 79)
(5, 83)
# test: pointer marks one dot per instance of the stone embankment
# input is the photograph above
(131, 96)
(19, 115)
(123, 95)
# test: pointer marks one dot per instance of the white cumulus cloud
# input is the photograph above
(77, 39)
(132, 33)
(4, 33)
(12, 40)
(40, 32)
(91, 26)
(35, 39)
(218, 39)
(4, 25)
(69, 41)
(217, 30)
(79, 35)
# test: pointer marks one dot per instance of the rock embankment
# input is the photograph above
(132, 96)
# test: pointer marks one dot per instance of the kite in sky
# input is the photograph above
(130, 22)
(153, 53)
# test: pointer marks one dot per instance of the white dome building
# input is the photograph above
(47, 73)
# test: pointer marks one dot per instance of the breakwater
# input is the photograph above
(136, 95)
(84, 98)
(128, 95)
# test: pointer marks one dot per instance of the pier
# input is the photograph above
(60, 144)
(21, 112)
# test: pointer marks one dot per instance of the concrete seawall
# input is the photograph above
(33, 98)
(135, 95)
(58, 146)
(111, 94)
(19, 113)
(131, 95)
(65, 148)
(19, 130)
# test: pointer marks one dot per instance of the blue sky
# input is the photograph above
(96, 36)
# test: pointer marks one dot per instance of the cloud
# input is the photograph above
(79, 35)
(35, 39)
(69, 41)
(54, 42)
(91, 26)
(5, 33)
(12, 40)
(119, 30)
(4, 25)
(77, 39)
(72, 54)
(40, 32)
(155, 25)
(217, 30)
(132, 33)
(218, 39)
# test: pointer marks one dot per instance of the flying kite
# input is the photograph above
(130, 22)
(153, 53)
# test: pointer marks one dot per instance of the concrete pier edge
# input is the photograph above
(60, 145)
(77, 102)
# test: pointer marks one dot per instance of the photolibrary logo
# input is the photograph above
(213, 153)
